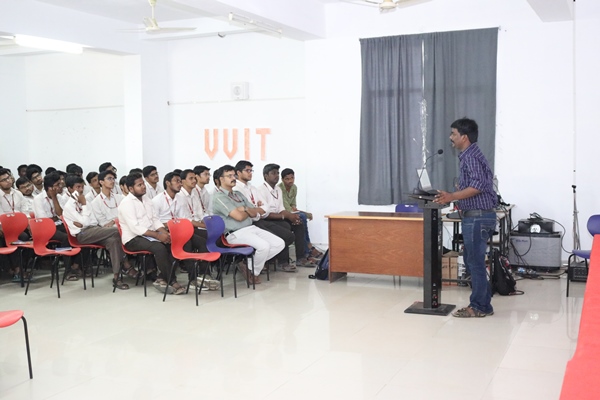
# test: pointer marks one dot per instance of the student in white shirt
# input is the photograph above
(105, 205)
(34, 174)
(272, 197)
(93, 185)
(200, 191)
(151, 181)
(26, 189)
(107, 166)
(166, 205)
(84, 227)
(244, 172)
(142, 230)
(12, 201)
(47, 205)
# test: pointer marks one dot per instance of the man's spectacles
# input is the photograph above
(248, 170)
(109, 178)
(229, 176)
(8, 178)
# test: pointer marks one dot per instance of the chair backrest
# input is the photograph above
(72, 239)
(181, 231)
(13, 224)
(593, 225)
(408, 208)
(215, 226)
(42, 230)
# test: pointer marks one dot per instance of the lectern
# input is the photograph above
(432, 260)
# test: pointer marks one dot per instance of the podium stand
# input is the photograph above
(432, 261)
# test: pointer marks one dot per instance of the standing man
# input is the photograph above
(238, 213)
(476, 202)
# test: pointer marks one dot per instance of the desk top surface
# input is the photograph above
(377, 215)
(501, 213)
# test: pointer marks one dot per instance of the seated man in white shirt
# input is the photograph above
(105, 205)
(83, 225)
(12, 201)
(48, 205)
(270, 194)
(22, 171)
(166, 205)
(244, 172)
(123, 185)
(34, 175)
(26, 188)
(200, 191)
(142, 230)
(107, 166)
(151, 181)
(238, 213)
(93, 185)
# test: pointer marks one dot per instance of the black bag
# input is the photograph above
(503, 281)
(322, 271)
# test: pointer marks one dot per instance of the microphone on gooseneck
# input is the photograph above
(419, 189)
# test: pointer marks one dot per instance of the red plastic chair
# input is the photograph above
(75, 244)
(42, 229)
(181, 231)
(13, 224)
(141, 253)
(8, 318)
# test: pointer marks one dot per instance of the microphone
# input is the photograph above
(419, 189)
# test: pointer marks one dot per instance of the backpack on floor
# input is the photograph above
(322, 271)
(503, 281)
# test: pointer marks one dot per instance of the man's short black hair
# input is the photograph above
(286, 172)
(199, 169)
(104, 166)
(49, 170)
(74, 169)
(138, 170)
(31, 170)
(4, 171)
(21, 181)
(50, 179)
(466, 126)
(123, 180)
(131, 178)
(269, 167)
(72, 179)
(221, 171)
(168, 178)
(20, 167)
(148, 170)
(183, 175)
(242, 164)
(177, 171)
(102, 175)
(91, 176)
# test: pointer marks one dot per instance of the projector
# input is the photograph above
(536, 225)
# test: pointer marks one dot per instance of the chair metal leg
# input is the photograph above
(55, 273)
(170, 276)
(253, 276)
(27, 346)
(31, 275)
(221, 275)
(145, 277)
(569, 272)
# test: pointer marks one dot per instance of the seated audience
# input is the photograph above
(22, 171)
(166, 205)
(238, 214)
(12, 201)
(142, 230)
(123, 185)
(244, 173)
(272, 198)
(85, 228)
(108, 166)
(289, 190)
(200, 191)
(47, 205)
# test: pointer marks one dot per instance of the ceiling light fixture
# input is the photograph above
(249, 22)
(48, 44)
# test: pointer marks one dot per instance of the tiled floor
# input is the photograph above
(292, 338)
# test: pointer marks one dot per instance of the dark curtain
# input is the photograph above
(413, 88)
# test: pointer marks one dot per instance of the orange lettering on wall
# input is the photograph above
(263, 141)
(246, 144)
(230, 153)
(211, 151)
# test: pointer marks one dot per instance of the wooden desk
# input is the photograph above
(375, 243)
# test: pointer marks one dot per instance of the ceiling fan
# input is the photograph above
(152, 26)
(386, 5)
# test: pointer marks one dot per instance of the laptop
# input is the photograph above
(424, 186)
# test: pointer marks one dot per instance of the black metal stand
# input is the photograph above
(432, 262)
